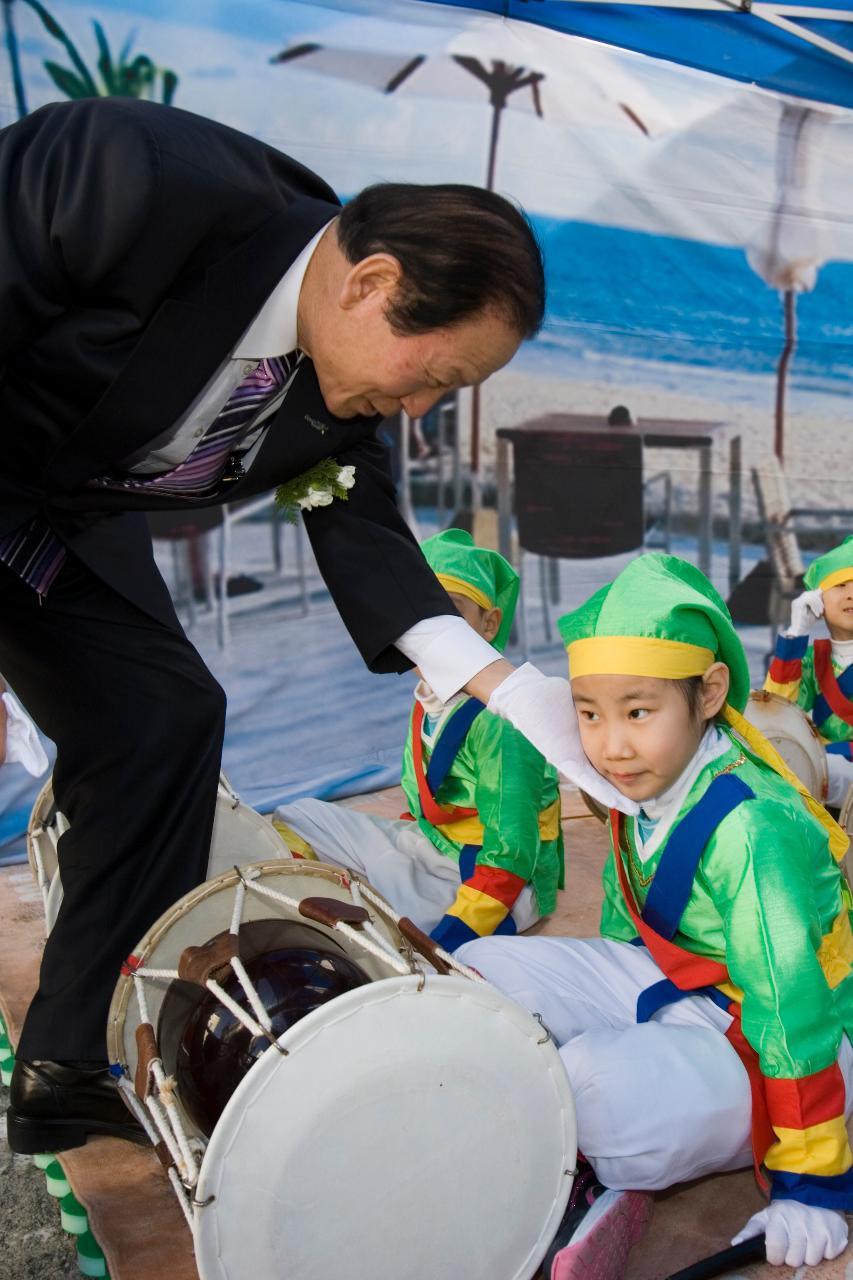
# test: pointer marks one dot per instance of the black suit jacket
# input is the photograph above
(137, 243)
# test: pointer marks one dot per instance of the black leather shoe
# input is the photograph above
(54, 1106)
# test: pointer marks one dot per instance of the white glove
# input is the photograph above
(805, 611)
(22, 740)
(542, 708)
(797, 1234)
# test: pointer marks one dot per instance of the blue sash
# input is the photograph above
(449, 741)
(673, 881)
(821, 710)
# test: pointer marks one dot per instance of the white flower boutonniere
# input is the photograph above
(317, 487)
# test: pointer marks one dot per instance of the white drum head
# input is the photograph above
(787, 728)
(412, 1129)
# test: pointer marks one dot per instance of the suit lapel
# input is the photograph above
(301, 433)
(182, 347)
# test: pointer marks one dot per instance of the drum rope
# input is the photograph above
(239, 899)
(178, 1188)
(251, 995)
(165, 1088)
(137, 1108)
(355, 935)
(370, 928)
(456, 965)
(164, 1123)
(242, 1016)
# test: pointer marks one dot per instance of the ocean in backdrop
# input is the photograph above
(651, 300)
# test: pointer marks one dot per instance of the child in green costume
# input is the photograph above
(709, 1026)
(481, 849)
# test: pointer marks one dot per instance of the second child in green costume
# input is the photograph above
(481, 849)
(709, 1026)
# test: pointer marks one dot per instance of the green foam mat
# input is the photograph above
(73, 1216)
(90, 1258)
(56, 1181)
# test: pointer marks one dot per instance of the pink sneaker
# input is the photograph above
(597, 1234)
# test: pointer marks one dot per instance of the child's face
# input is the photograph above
(639, 732)
(486, 622)
(838, 610)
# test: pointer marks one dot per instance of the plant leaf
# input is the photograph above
(54, 29)
(105, 61)
(66, 81)
(170, 84)
(125, 49)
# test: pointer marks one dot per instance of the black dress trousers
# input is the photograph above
(138, 722)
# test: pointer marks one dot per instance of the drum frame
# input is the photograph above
(138, 1069)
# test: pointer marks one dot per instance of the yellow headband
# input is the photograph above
(459, 587)
(638, 656)
(837, 576)
(676, 660)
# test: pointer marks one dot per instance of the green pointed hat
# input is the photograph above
(830, 569)
(661, 617)
(475, 572)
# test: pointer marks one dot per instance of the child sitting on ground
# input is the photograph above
(708, 1027)
(820, 678)
(481, 850)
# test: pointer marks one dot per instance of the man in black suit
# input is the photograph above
(190, 318)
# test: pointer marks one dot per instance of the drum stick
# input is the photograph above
(737, 1255)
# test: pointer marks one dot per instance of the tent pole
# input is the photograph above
(790, 303)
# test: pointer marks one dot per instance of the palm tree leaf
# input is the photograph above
(105, 61)
(125, 49)
(170, 84)
(66, 81)
(54, 29)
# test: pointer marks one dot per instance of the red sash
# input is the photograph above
(432, 811)
(828, 684)
(689, 971)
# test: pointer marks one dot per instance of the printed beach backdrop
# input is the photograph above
(676, 210)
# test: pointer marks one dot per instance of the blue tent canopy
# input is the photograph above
(800, 49)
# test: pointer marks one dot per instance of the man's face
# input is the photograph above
(364, 367)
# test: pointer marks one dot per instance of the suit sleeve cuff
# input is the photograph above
(447, 651)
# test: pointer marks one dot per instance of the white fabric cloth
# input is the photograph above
(393, 855)
(797, 1234)
(840, 778)
(271, 333)
(22, 740)
(657, 1103)
(663, 809)
(842, 653)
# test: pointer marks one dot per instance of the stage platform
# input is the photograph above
(132, 1210)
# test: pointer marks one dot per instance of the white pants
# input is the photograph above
(394, 856)
(657, 1103)
(840, 778)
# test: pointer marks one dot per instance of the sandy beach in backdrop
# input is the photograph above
(818, 424)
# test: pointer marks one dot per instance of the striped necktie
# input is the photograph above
(36, 554)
